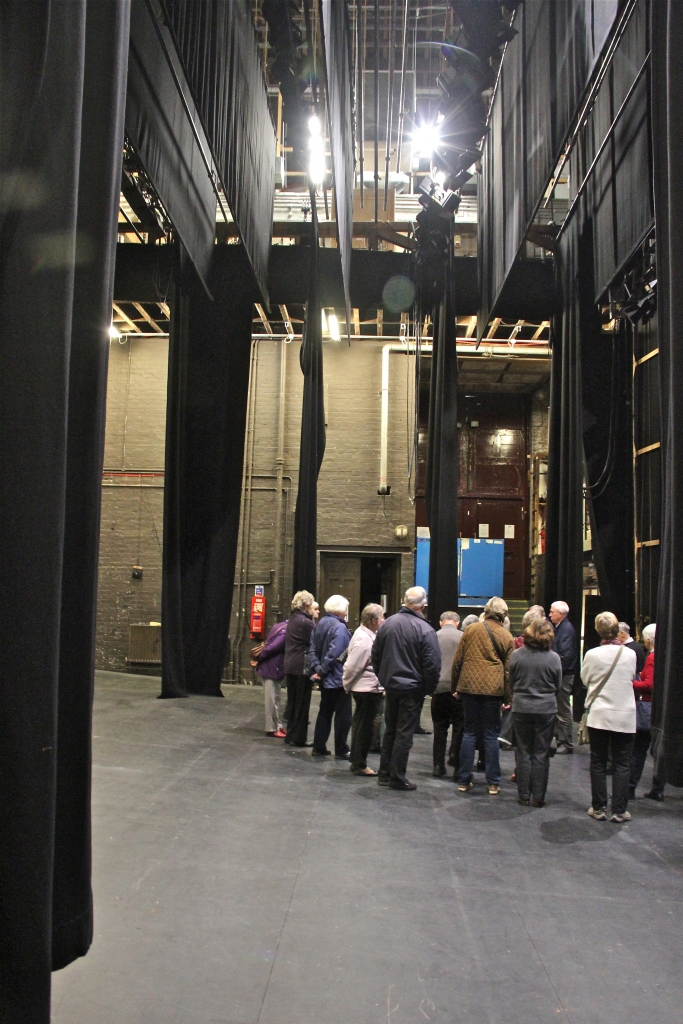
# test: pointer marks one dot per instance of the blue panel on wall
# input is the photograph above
(422, 563)
(480, 573)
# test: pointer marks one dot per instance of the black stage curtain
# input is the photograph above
(564, 523)
(339, 71)
(56, 280)
(607, 420)
(208, 384)
(441, 484)
(161, 131)
(222, 60)
(312, 447)
(667, 116)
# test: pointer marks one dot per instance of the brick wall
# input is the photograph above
(132, 504)
(351, 513)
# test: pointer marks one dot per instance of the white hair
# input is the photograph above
(415, 597)
(337, 604)
(496, 608)
(649, 632)
(469, 620)
(302, 601)
(560, 606)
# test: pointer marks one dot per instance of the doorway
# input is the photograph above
(363, 579)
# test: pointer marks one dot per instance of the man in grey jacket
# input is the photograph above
(407, 660)
(447, 706)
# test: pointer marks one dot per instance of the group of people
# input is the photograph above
(374, 683)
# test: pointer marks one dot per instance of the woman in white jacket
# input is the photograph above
(611, 717)
(360, 680)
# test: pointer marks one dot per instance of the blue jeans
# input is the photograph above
(482, 717)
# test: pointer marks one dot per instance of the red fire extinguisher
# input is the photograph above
(257, 619)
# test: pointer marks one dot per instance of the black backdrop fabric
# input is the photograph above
(564, 518)
(56, 280)
(339, 72)
(441, 484)
(208, 384)
(312, 448)
(667, 114)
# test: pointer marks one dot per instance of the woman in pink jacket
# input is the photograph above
(360, 680)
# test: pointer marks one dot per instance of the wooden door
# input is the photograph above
(340, 574)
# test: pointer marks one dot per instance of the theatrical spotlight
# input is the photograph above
(436, 198)
(425, 140)
(316, 152)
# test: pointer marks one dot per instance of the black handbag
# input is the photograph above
(643, 715)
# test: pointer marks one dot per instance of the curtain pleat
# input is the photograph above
(667, 142)
(60, 157)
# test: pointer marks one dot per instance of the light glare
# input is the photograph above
(425, 139)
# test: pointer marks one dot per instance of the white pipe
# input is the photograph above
(384, 415)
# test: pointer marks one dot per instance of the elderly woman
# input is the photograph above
(326, 654)
(608, 672)
(297, 639)
(643, 690)
(535, 612)
(535, 674)
(478, 676)
(360, 681)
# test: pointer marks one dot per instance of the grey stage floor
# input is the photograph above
(238, 882)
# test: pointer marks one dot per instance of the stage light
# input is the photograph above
(333, 325)
(316, 150)
(113, 333)
(425, 139)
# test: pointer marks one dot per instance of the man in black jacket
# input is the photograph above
(565, 645)
(407, 660)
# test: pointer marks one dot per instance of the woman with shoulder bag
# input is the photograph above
(608, 672)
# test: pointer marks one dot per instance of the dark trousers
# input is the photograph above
(446, 713)
(376, 745)
(641, 745)
(401, 716)
(619, 744)
(335, 703)
(482, 715)
(299, 689)
(366, 706)
(533, 736)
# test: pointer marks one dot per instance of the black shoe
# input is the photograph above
(382, 780)
(402, 785)
(343, 757)
(654, 795)
(422, 732)
(302, 744)
(451, 763)
(538, 803)
(321, 753)
(524, 803)
(439, 772)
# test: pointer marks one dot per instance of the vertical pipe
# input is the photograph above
(279, 469)
(390, 99)
(376, 97)
(402, 97)
(363, 54)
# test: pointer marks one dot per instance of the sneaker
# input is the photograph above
(493, 790)
(504, 744)
(598, 815)
(621, 818)
(464, 787)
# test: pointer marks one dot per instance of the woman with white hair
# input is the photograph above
(299, 686)
(608, 672)
(643, 691)
(326, 656)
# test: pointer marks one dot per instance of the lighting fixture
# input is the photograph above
(333, 325)
(316, 150)
(425, 139)
(113, 333)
